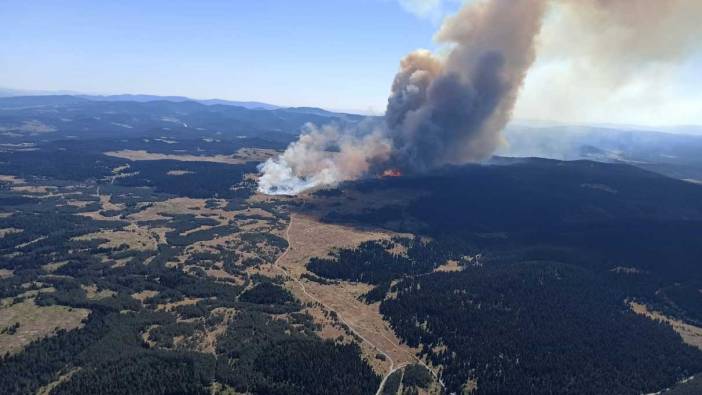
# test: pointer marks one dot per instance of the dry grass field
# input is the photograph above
(241, 156)
(35, 322)
(690, 334)
(309, 238)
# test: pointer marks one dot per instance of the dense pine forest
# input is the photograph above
(515, 277)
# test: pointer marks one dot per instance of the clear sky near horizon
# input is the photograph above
(336, 54)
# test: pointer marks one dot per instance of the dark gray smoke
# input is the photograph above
(451, 110)
(441, 110)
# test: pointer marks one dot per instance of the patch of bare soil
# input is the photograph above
(33, 189)
(143, 295)
(159, 210)
(690, 334)
(52, 267)
(207, 340)
(93, 293)
(173, 305)
(106, 203)
(449, 266)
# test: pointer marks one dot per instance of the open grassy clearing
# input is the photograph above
(93, 293)
(449, 266)
(690, 334)
(52, 267)
(35, 322)
(133, 236)
(241, 156)
(309, 238)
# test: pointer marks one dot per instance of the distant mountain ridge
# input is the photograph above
(251, 105)
(39, 118)
(141, 98)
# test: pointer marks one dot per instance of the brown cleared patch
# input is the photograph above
(36, 322)
(690, 334)
(159, 210)
(143, 295)
(240, 157)
(122, 262)
(308, 237)
(40, 189)
(470, 386)
(450, 266)
(78, 203)
(106, 203)
(221, 275)
(398, 249)
(208, 338)
(54, 266)
(173, 305)
(134, 236)
(93, 293)
(6, 273)
(311, 238)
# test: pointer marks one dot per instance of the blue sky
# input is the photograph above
(335, 54)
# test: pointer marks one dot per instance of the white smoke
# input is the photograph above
(452, 109)
(323, 156)
(440, 111)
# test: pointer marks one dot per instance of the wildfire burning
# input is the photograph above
(392, 173)
(450, 109)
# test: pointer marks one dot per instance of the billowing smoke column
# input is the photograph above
(440, 111)
(451, 109)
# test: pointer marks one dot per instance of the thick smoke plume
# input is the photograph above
(440, 111)
(451, 109)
